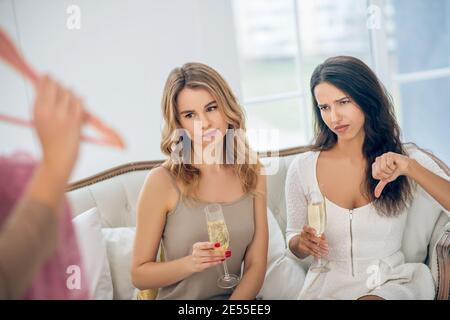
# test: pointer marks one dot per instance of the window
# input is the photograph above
(280, 42)
(406, 42)
(420, 70)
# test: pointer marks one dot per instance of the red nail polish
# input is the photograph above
(217, 244)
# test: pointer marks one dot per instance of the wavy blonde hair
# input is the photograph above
(201, 76)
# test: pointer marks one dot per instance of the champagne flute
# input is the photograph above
(218, 232)
(317, 219)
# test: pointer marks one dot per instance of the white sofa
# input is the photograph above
(107, 231)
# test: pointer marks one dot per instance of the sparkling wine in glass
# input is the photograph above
(317, 219)
(218, 232)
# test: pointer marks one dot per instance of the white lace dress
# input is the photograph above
(365, 255)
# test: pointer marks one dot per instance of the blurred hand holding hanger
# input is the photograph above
(10, 54)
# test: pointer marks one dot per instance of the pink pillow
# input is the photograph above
(50, 282)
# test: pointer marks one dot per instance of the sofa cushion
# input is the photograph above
(93, 253)
(281, 268)
(119, 247)
(422, 215)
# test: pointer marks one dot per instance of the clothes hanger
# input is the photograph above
(10, 54)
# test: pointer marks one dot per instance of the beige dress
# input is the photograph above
(186, 225)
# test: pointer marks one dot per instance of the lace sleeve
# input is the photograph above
(296, 203)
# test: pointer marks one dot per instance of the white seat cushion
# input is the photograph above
(119, 247)
(284, 276)
(93, 253)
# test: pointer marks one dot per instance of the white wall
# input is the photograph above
(118, 61)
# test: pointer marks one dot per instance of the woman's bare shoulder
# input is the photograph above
(159, 187)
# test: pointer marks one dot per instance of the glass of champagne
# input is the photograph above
(317, 219)
(218, 232)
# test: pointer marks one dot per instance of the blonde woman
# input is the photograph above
(199, 103)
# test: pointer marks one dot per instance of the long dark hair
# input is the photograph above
(382, 133)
